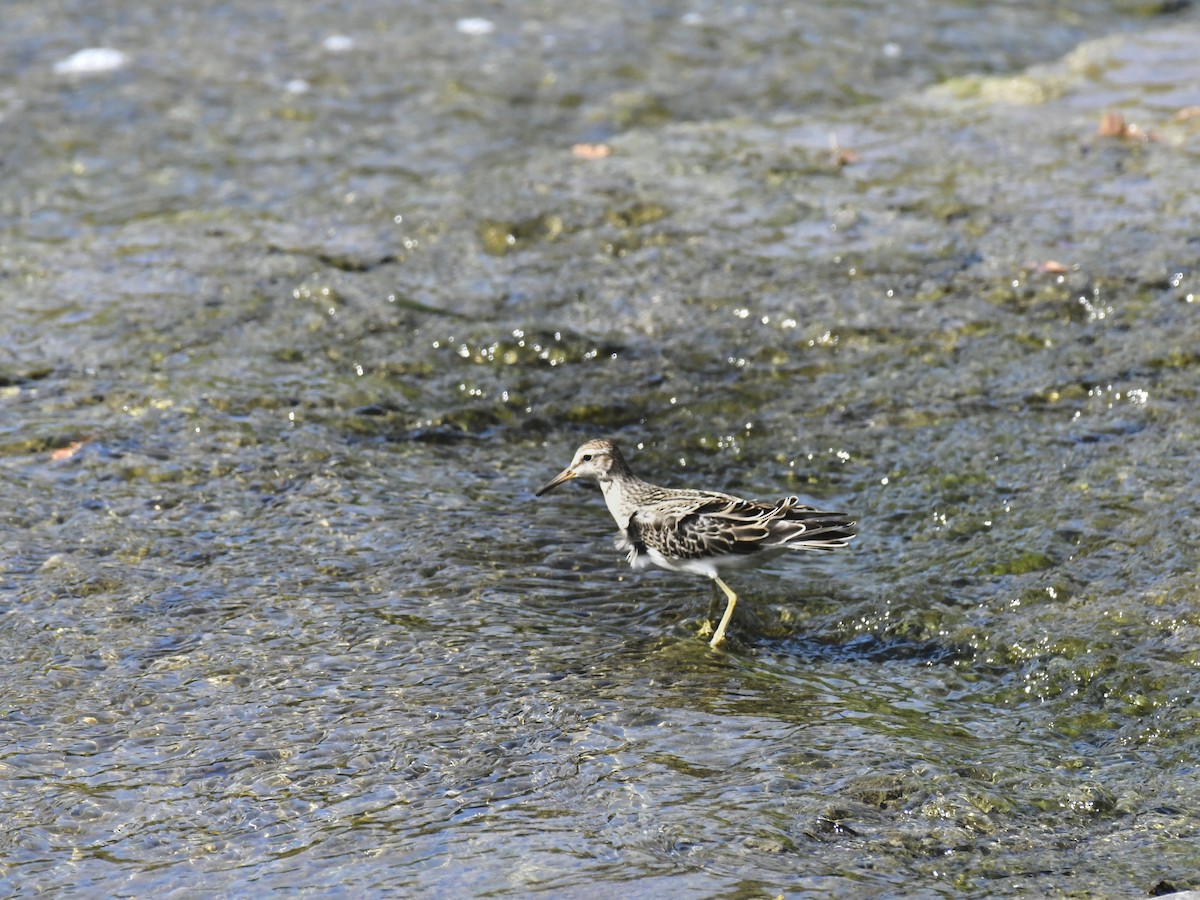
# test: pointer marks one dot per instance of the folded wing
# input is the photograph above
(719, 525)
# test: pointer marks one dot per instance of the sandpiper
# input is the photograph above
(700, 531)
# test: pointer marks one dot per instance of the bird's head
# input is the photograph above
(595, 459)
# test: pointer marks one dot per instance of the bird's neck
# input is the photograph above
(612, 489)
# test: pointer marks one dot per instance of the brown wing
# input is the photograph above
(721, 525)
(706, 527)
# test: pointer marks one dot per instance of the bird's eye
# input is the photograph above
(587, 457)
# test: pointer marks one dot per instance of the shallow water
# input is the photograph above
(295, 326)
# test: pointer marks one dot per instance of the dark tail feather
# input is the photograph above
(809, 529)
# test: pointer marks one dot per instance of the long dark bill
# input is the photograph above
(564, 475)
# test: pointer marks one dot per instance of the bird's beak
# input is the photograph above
(565, 475)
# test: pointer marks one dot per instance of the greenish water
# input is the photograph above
(294, 328)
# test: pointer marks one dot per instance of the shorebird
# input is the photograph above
(700, 532)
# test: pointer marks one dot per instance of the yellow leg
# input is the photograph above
(719, 635)
(706, 630)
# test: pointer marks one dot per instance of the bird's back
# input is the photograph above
(687, 524)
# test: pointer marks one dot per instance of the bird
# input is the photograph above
(700, 532)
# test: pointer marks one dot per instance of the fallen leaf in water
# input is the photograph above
(1114, 125)
(591, 151)
(1111, 125)
(1053, 267)
(68, 451)
(842, 156)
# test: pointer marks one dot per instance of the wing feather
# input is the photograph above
(708, 525)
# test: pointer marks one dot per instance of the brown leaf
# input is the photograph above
(1053, 267)
(1112, 125)
(842, 156)
(68, 451)
(591, 151)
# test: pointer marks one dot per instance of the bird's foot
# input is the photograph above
(706, 629)
(719, 638)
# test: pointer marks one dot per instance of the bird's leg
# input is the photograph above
(719, 634)
(711, 616)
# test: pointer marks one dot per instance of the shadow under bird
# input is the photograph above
(700, 532)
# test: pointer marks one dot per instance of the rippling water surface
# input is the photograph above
(302, 304)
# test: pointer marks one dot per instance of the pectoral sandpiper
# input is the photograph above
(700, 531)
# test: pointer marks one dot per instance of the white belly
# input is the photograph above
(709, 566)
